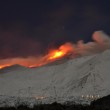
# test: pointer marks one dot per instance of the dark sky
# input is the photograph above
(29, 27)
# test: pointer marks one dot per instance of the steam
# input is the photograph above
(101, 42)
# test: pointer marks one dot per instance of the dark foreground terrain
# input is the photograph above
(100, 104)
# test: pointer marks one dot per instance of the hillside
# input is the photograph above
(85, 78)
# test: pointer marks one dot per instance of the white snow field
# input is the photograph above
(78, 80)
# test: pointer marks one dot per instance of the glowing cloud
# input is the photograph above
(101, 42)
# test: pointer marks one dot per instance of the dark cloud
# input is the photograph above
(16, 44)
(28, 29)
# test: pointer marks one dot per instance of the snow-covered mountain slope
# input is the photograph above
(85, 77)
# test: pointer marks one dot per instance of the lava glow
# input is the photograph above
(31, 62)
(61, 51)
(56, 54)
(3, 66)
(100, 43)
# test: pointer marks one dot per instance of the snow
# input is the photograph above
(87, 76)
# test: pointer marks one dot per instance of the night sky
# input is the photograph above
(29, 28)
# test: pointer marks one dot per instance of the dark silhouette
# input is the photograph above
(100, 104)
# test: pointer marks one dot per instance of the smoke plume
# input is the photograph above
(100, 42)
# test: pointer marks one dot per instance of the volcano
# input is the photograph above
(87, 77)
